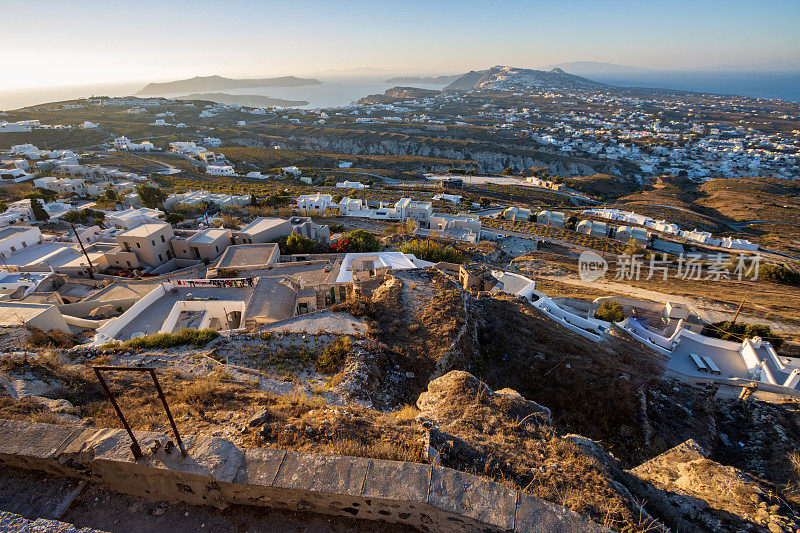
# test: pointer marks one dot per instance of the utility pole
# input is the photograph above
(91, 268)
(737, 312)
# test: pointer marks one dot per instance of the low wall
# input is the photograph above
(82, 309)
(215, 472)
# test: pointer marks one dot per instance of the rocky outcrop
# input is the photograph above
(712, 496)
(448, 397)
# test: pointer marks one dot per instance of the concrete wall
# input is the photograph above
(215, 472)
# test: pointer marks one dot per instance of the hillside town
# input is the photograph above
(559, 294)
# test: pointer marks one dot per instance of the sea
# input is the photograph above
(338, 92)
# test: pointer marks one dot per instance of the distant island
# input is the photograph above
(432, 80)
(218, 83)
(248, 100)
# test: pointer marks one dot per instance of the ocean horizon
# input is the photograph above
(338, 92)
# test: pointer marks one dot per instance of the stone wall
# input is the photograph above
(216, 472)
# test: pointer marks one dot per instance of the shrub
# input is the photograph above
(610, 311)
(332, 357)
(779, 274)
(194, 337)
(738, 331)
(433, 251)
(50, 339)
(356, 241)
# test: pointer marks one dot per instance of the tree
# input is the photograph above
(174, 218)
(508, 170)
(610, 311)
(485, 202)
(111, 195)
(253, 199)
(151, 196)
(363, 241)
(299, 244)
(38, 211)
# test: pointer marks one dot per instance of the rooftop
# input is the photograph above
(16, 314)
(262, 224)
(144, 230)
(209, 235)
(248, 255)
(10, 231)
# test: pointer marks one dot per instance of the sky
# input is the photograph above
(80, 42)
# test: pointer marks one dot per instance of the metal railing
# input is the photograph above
(135, 448)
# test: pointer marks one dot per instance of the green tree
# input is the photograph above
(485, 202)
(151, 196)
(610, 311)
(362, 241)
(300, 244)
(38, 210)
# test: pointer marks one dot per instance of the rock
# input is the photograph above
(774, 528)
(259, 418)
(703, 489)
(160, 511)
(29, 385)
(449, 396)
(56, 406)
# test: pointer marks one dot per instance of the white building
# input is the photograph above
(213, 142)
(15, 238)
(352, 185)
(220, 170)
(133, 217)
(292, 171)
(315, 202)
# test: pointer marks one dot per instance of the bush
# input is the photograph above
(50, 339)
(332, 357)
(738, 331)
(433, 251)
(610, 311)
(194, 337)
(84, 216)
(779, 274)
(357, 241)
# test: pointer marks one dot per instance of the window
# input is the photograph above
(23, 244)
(160, 258)
(217, 248)
(169, 254)
(138, 245)
(153, 242)
(128, 262)
(162, 239)
(13, 249)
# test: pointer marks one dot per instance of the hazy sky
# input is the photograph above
(63, 42)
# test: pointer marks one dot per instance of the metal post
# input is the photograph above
(91, 268)
(169, 413)
(137, 451)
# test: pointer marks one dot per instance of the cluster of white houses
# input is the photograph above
(700, 237)
(625, 233)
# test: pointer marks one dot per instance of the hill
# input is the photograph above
(249, 100)
(425, 79)
(217, 83)
(501, 77)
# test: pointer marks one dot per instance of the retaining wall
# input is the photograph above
(216, 472)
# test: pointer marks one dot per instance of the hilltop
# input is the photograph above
(502, 77)
(217, 83)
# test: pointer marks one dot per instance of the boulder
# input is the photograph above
(450, 396)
